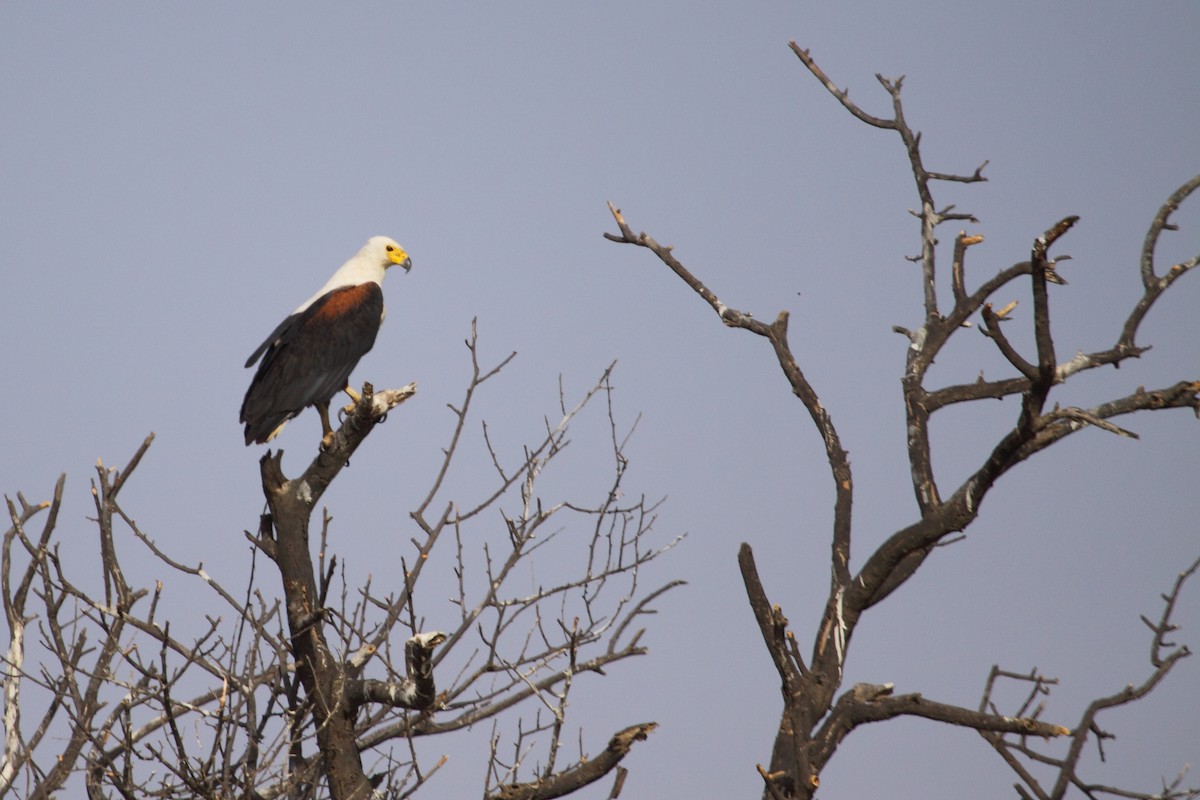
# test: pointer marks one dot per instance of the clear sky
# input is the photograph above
(174, 178)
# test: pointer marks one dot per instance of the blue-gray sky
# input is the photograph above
(174, 178)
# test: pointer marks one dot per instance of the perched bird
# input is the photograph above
(309, 357)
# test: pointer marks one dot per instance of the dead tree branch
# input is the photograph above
(813, 722)
(1020, 753)
(582, 774)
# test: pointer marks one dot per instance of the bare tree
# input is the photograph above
(322, 689)
(818, 712)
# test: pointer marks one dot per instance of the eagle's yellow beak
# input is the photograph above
(398, 256)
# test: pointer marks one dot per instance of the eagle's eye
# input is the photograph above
(390, 248)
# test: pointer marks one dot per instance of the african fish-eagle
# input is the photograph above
(309, 357)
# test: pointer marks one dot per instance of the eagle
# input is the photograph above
(308, 358)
